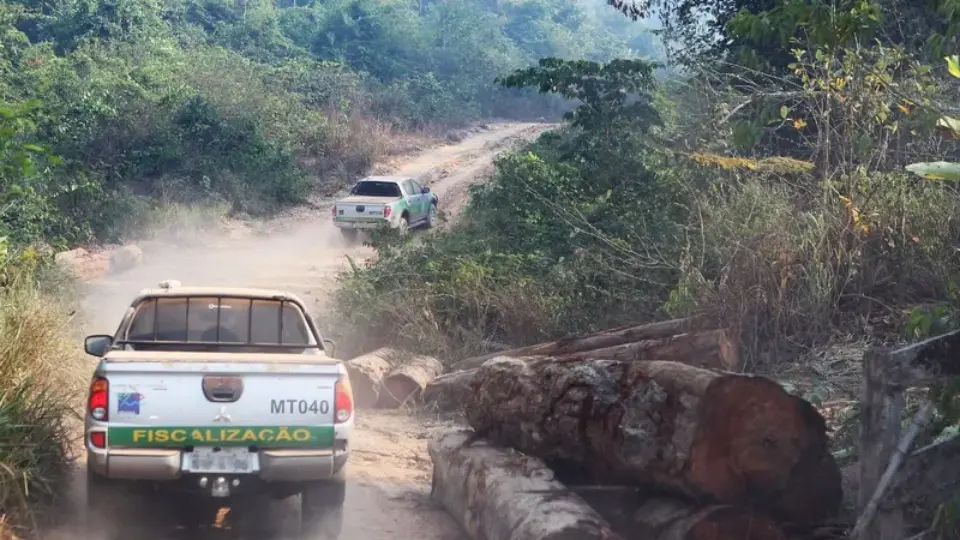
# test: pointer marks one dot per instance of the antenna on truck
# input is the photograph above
(169, 284)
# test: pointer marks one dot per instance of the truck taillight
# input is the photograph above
(343, 402)
(386, 211)
(98, 439)
(333, 210)
(99, 401)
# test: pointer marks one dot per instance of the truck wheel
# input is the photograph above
(321, 509)
(403, 225)
(349, 236)
(105, 509)
(432, 216)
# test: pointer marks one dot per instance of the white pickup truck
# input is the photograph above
(394, 202)
(219, 392)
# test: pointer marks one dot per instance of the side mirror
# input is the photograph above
(330, 347)
(424, 189)
(97, 345)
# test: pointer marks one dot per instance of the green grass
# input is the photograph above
(40, 390)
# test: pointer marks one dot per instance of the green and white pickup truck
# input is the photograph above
(211, 392)
(385, 201)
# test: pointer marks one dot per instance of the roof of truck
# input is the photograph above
(174, 288)
(385, 178)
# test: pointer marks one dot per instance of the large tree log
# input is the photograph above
(405, 383)
(366, 374)
(500, 494)
(670, 519)
(712, 349)
(446, 393)
(597, 340)
(711, 436)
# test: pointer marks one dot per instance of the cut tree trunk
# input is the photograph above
(366, 374)
(405, 383)
(500, 494)
(707, 435)
(446, 393)
(598, 340)
(670, 519)
(712, 349)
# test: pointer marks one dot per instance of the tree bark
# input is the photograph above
(670, 519)
(597, 340)
(445, 393)
(712, 349)
(707, 435)
(366, 374)
(500, 494)
(405, 383)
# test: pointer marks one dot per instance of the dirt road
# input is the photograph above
(301, 252)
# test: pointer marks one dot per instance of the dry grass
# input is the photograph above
(40, 391)
(793, 268)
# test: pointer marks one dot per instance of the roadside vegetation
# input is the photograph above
(255, 104)
(762, 183)
(117, 116)
(40, 371)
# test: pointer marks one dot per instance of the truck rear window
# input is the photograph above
(370, 188)
(219, 320)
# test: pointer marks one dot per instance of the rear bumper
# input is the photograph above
(164, 465)
(362, 225)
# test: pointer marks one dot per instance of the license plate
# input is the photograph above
(221, 460)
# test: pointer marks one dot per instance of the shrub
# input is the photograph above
(41, 385)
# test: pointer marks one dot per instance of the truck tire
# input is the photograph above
(350, 236)
(105, 510)
(403, 225)
(321, 508)
(431, 216)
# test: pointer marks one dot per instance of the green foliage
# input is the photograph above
(249, 104)
(548, 246)
(603, 90)
(792, 238)
(942, 170)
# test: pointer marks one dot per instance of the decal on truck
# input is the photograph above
(129, 402)
(240, 436)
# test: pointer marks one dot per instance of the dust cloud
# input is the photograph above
(300, 252)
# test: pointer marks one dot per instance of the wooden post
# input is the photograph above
(879, 432)
(887, 375)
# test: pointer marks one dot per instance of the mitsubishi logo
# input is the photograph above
(222, 416)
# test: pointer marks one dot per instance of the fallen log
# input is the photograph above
(597, 340)
(366, 374)
(707, 435)
(405, 383)
(712, 349)
(670, 519)
(490, 491)
(445, 393)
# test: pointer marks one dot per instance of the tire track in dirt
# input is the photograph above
(389, 470)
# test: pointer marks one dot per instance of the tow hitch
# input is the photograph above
(220, 488)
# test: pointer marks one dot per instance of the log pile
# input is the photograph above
(389, 378)
(651, 416)
(679, 340)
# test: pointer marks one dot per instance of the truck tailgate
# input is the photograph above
(182, 403)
